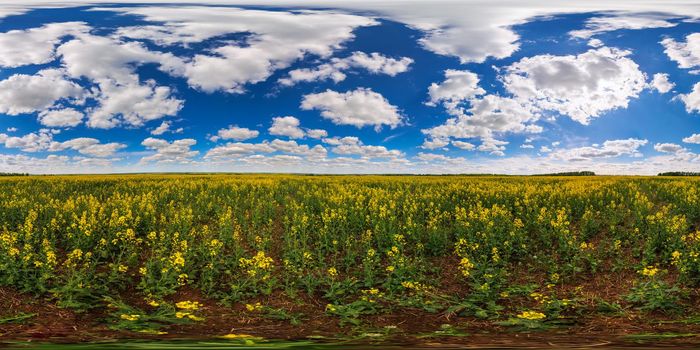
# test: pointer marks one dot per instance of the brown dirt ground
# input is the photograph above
(52, 324)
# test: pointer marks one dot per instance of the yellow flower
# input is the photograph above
(123, 268)
(531, 315)
(253, 307)
(649, 271)
(236, 336)
(465, 266)
(130, 317)
(177, 259)
(390, 268)
(332, 272)
(154, 303)
(188, 305)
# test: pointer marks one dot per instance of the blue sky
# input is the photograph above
(372, 87)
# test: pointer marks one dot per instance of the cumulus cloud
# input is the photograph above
(293, 147)
(463, 145)
(493, 146)
(458, 86)
(237, 149)
(692, 99)
(32, 142)
(316, 133)
(360, 107)
(61, 118)
(353, 146)
(85, 57)
(581, 86)
(488, 116)
(694, 138)
(21, 93)
(661, 83)
(35, 45)
(595, 43)
(132, 104)
(435, 143)
(177, 151)
(88, 146)
(476, 114)
(597, 25)
(609, 149)
(274, 39)
(286, 126)
(241, 151)
(235, 133)
(42, 140)
(686, 54)
(375, 63)
(165, 127)
(668, 147)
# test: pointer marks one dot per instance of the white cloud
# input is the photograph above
(132, 104)
(375, 63)
(353, 146)
(527, 146)
(595, 43)
(668, 147)
(164, 127)
(35, 45)
(21, 93)
(61, 118)
(687, 53)
(463, 145)
(464, 29)
(316, 133)
(661, 83)
(694, 138)
(286, 126)
(88, 146)
(493, 146)
(32, 142)
(275, 39)
(692, 99)
(237, 149)
(235, 133)
(293, 147)
(121, 97)
(597, 25)
(178, 151)
(360, 107)
(85, 57)
(609, 149)
(488, 116)
(582, 86)
(42, 140)
(435, 143)
(459, 85)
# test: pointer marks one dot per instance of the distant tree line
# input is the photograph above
(570, 173)
(679, 173)
(14, 174)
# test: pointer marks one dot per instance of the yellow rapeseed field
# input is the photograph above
(520, 251)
